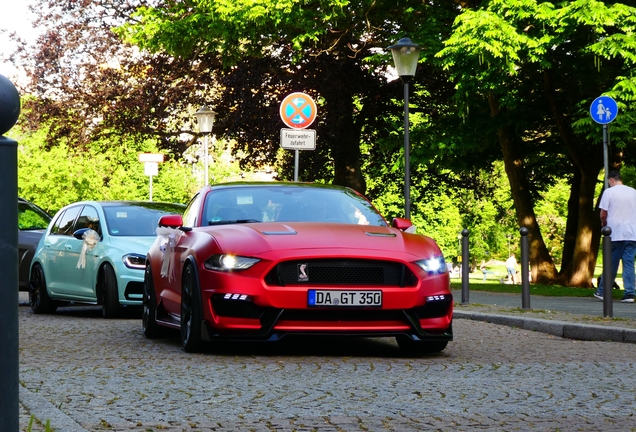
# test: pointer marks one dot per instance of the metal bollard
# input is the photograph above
(525, 269)
(465, 267)
(9, 334)
(608, 280)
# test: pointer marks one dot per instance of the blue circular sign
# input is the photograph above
(603, 110)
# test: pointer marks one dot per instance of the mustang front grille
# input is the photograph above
(341, 272)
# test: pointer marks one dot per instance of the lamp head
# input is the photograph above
(406, 53)
(205, 119)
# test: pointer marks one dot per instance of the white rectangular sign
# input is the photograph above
(151, 168)
(298, 139)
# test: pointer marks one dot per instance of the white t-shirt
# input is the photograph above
(620, 203)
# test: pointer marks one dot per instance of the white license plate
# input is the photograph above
(344, 298)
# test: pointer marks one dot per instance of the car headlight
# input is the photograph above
(225, 262)
(135, 261)
(435, 265)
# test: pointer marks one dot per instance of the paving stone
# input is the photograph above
(103, 375)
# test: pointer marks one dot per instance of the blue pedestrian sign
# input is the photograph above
(604, 110)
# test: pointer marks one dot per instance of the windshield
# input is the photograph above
(139, 219)
(288, 204)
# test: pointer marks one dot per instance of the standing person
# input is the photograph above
(618, 211)
(511, 266)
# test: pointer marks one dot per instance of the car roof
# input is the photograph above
(277, 184)
(113, 203)
(136, 203)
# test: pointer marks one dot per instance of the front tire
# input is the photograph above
(191, 314)
(149, 308)
(411, 346)
(39, 298)
(110, 291)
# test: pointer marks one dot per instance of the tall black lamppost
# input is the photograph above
(406, 53)
(205, 120)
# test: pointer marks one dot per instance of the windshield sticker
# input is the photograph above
(244, 199)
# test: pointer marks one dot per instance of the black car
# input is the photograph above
(32, 222)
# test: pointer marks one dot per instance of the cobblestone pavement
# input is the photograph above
(85, 373)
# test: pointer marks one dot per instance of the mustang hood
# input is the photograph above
(251, 239)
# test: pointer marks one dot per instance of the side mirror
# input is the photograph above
(80, 233)
(171, 221)
(401, 224)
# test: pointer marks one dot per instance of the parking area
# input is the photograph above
(86, 373)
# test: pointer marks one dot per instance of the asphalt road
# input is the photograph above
(85, 373)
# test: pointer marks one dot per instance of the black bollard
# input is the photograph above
(465, 267)
(608, 280)
(9, 335)
(525, 269)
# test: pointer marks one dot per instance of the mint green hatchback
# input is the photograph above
(94, 252)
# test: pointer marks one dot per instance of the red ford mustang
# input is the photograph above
(258, 261)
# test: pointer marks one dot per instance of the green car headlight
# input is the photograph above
(135, 261)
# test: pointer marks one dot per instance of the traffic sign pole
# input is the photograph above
(151, 163)
(606, 154)
(604, 110)
(298, 111)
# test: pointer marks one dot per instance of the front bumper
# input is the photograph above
(236, 319)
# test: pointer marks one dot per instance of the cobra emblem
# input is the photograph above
(302, 273)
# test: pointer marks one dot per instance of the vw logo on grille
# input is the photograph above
(302, 273)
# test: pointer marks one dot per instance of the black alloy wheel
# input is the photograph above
(39, 298)
(149, 307)
(191, 313)
(111, 307)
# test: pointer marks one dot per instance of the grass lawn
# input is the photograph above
(493, 284)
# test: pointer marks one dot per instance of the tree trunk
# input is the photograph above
(583, 224)
(542, 265)
(344, 140)
(579, 270)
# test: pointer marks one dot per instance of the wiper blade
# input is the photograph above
(233, 221)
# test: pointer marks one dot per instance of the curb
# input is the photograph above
(564, 329)
(41, 409)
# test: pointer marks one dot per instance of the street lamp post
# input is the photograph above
(406, 53)
(205, 120)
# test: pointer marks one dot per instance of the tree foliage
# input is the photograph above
(526, 72)
(332, 49)
(57, 176)
(87, 85)
(506, 80)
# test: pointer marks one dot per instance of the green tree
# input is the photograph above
(331, 49)
(56, 176)
(509, 60)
